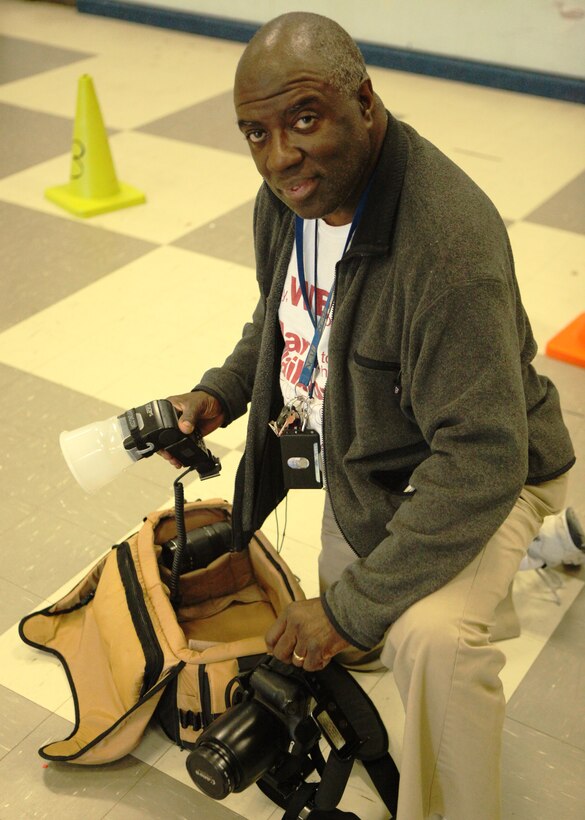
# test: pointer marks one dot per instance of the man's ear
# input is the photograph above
(367, 98)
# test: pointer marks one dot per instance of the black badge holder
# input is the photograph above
(301, 461)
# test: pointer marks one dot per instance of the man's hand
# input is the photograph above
(197, 409)
(304, 636)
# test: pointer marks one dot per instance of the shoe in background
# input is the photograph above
(561, 540)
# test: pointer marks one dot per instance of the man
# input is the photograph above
(443, 449)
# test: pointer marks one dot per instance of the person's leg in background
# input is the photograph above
(447, 669)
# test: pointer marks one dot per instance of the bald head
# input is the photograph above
(311, 39)
(306, 106)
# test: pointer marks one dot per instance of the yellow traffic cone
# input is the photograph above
(93, 187)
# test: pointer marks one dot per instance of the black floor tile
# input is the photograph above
(19, 718)
(569, 381)
(11, 513)
(227, 237)
(211, 123)
(564, 210)
(24, 58)
(15, 603)
(158, 795)
(543, 778)
(30, 137)
(35, 406)
(31, 789)
(45, 258)
(48, 551)
(550, 698)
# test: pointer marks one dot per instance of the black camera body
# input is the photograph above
(277, 716)
(155, 426)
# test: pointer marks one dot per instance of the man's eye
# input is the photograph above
(255, 136)
(305, 122)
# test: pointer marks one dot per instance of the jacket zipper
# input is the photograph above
(398, 382)
(327, 485)
(153, 654)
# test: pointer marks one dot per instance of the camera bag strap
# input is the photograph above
(303, 798)
(319, 800)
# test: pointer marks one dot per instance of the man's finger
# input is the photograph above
(275, 632)
(171, 459)
(186, 425)
(187, 414)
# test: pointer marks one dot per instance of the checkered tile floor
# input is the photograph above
(100, 315)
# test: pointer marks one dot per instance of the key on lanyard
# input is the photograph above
(293, 414)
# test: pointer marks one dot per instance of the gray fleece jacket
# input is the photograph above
(430, 386)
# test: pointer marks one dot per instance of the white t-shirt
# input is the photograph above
(295, 322)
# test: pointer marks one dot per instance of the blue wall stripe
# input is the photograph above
(417, 62)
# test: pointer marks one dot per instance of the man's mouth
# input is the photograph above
(299, 190)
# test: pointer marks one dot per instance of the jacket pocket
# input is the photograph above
(394, 482)
(381, 366)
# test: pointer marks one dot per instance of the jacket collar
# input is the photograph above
(375, 232)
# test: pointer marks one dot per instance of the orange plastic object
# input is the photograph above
(569, 344)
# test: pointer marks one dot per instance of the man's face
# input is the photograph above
(310, 143)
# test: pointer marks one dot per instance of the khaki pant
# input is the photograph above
(447, 668)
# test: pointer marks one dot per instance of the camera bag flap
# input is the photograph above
(123, 644)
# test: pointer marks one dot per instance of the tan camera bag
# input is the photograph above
(127, 650)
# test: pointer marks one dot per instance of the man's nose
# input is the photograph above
(282, 153)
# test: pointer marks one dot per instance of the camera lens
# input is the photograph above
(212, 770)
(237, 749)
(202, 546)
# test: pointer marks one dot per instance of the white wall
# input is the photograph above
(540, 35)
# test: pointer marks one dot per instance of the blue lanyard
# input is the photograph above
(319, 324)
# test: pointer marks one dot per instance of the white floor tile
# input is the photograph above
(134, 85)
(64, 27)
(539, 616)
(550, 266)
(537, 608)
(520, 655)
(108, 322)
(153, 745)
(33, 674)
(507, 142)
(300, 516)
(185, 185)
(67, 710)
(386, 697)
(233, 436)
